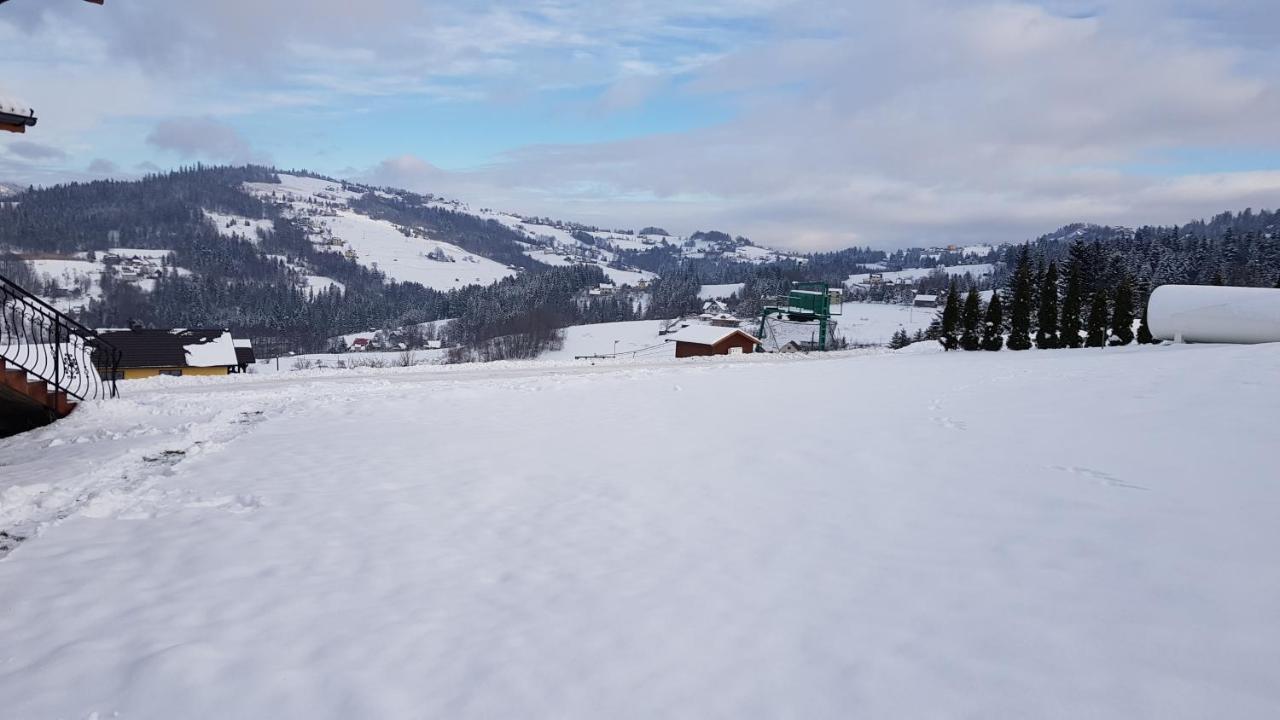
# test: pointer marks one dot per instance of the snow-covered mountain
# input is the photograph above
(361, 224)
(337, 223)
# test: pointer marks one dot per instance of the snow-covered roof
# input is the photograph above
(927, 298)
(13, 107)
(707, 334)
(176, 348)
(216, 352)
(243, 343)
(15, 116)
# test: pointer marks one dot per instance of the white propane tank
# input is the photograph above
(1212, 314)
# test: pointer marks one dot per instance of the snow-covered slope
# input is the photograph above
(637, 338)
(235, 226)
(398, 252)
(434, 264)
(1062, 534)
(70, 283)
(720, 292)
(977, 270)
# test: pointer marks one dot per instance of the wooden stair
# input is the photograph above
(27, 403)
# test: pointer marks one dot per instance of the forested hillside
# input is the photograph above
(253, 284)
(237, 247)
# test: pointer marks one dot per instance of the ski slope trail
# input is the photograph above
(1057, 534)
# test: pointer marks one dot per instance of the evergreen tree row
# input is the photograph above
(1047, 309)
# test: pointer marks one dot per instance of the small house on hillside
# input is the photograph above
(147, 353)
(720, 319)
(925, 301)
(704, 340)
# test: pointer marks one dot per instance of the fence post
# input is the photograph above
(57, 356)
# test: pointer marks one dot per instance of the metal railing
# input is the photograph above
(48, 345)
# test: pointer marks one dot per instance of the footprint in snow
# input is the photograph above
(950, 423)
(1098, 475)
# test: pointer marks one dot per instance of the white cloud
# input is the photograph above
(882, 123)
(33, 150)
(103, 167)
(204, 138)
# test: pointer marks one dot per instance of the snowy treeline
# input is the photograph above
(1241, 249)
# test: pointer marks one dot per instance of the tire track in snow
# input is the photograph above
(126, 485)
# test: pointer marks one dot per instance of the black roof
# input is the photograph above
(245, 356)
(156, 348)
(21, 121)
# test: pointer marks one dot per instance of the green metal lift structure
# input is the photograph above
(805, 302)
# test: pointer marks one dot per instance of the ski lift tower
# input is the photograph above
(806, 302)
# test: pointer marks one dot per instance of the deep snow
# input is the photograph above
(1058, 534)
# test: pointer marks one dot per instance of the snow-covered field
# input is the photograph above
(638, 337)
(719, 292)
(977, 270)
(862, 323)
(875, 323)
(1058, 534)
(72, 276)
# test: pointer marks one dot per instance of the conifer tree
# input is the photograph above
(1020, 306)
(1122, 314)
(971, 322)
(1069, 321)
(993, 325)
(1217, 280)
(899, 340)
(1037, 284)
(1097, 323)
(950, 319)
(1047, 334)
(1277, 285)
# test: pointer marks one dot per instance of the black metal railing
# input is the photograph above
(49, 345)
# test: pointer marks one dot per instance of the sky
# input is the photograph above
(806, 125)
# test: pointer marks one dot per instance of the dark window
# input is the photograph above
(173, 373)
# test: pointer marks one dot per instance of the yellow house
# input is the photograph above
(148, 353)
